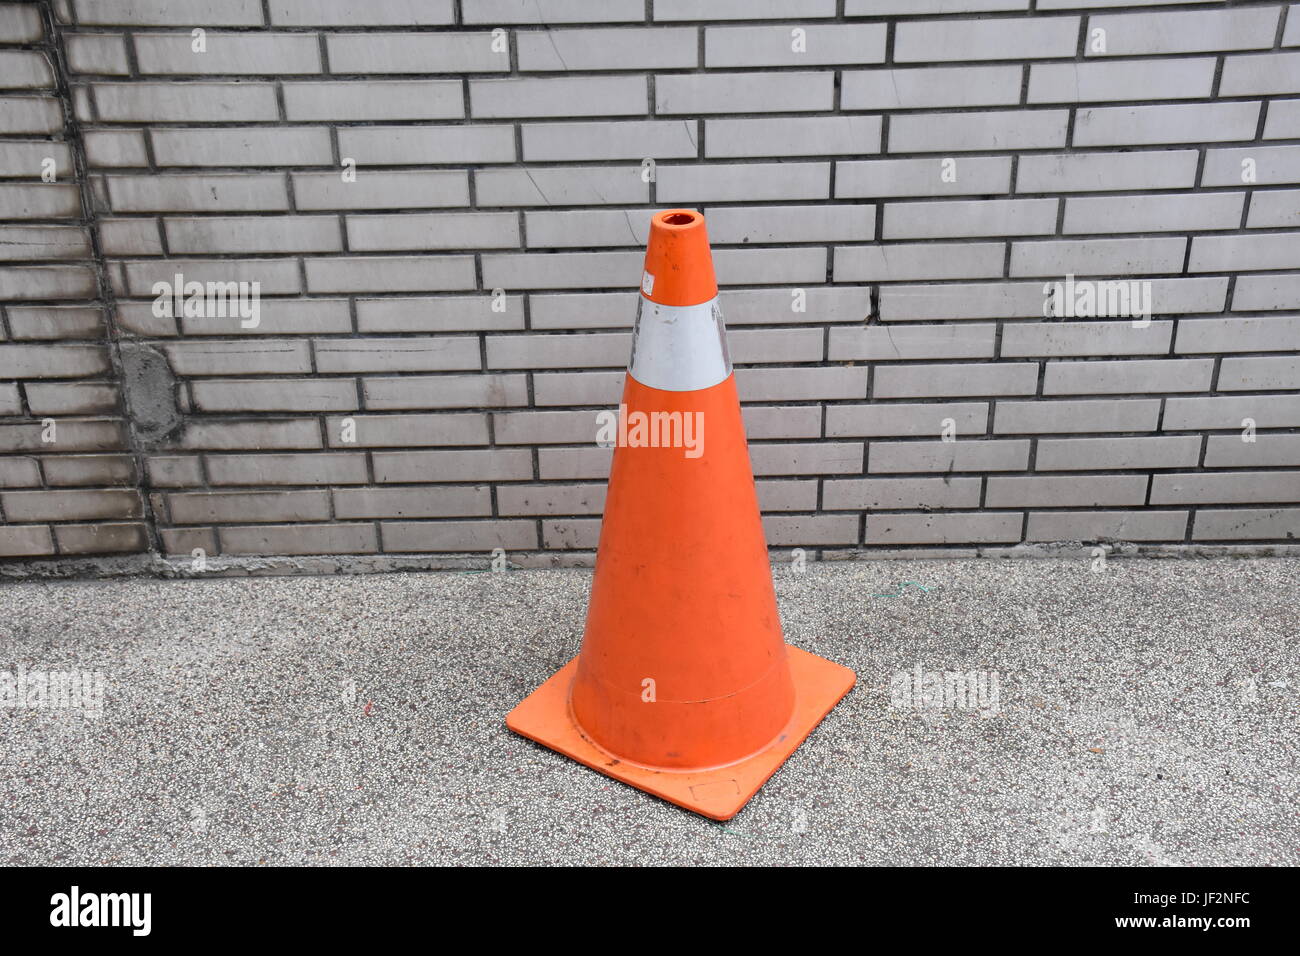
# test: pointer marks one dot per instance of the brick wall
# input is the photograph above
(444, 203)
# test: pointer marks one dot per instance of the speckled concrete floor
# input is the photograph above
(1146, 713)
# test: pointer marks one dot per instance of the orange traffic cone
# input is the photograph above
(684, 687)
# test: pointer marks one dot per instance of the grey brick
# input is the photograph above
(30, 114)
(955, 132)
(755, 266)
(48, 282)
(73, 435)
(115, 148)
(1030, 418)
(329, 13)
(562, 270)
(611, 139)
(551, 11)
(238, 358)
(974, 175)
(1266, 292)
(574, 464)
(39, 202)
(1098, 257)
(971, 218)
(1176, 212)
(1091, 338)
(185, 102)
(22, 541)
(25, 243)
(454, 313)
(941, 381)
(947, 456)
(98, 53)
(698, 93)
(561, 186)
(883, 343)
(437, 502)
(56, 322)
(558, 96)
(1176, 123)
(391, 431)
(931, 260)
(793, 136)
(281, 395)
(26, 69)
(1274, 209)
(782, 421)
(800, 384)
(549, 229)
(770, 224)
(810, 530)
(412, 231)
(654, 48)
(250, 192)
(1230, 451)
(1239, 334)
(101, 538)
(1086, 526)
(1198, 31)
(21, 159)
(76, 505)
(1104, 454)
(390, 274)
(743, 9)
(1272, 165)
(130, 237)
(839, 494)
(1255, 252)
(259, 435)
(82, 470)
(422, 145)
(229, 54)
(493, 464)
(776, 46)
(277, 317)
(374, 100)
(824, 458)
(583, 310)
(1085, 172)
(842, 421)
(226, 13)
(1283, 120)
(748, 182)
(558, 351)
(920, 87)
(1225, 411)
(1260, 73)
(382, 189)
(577, 388)
(334, 468)
(209, 507)
(20, 23)
(174, 471)
(478, 536)
(1226, 488)
(333, 538)
(943, 528)
(551, 499)
(52, 361)
(296, 146)
(1095, 82)
(379, 53)
(1001, 39)
(252, 234)
(424, 354)
(1133, 376)
(1072, 490)
(444, 391)
(1248, 523)
(776, 306)
(1254, 374)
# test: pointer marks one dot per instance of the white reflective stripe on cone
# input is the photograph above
(679, 348)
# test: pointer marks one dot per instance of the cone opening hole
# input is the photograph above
(679, 219)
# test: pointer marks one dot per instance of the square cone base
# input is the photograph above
(719, 794)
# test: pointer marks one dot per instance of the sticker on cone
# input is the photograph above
(684, 686)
